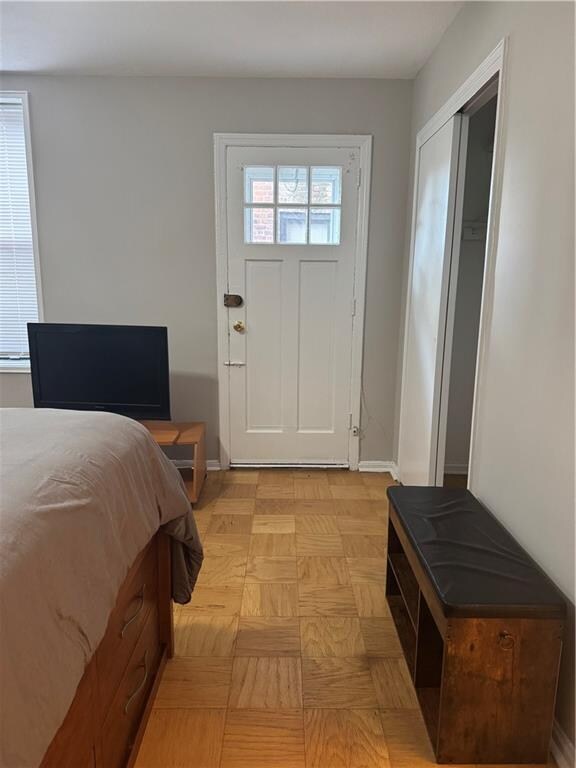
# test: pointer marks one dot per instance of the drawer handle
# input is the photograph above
(137, 613)
(141, 684)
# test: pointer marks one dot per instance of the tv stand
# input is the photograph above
(189, 433)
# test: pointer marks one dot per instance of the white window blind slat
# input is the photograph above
(18, 295)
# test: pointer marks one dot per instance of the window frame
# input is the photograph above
(276, 206)
(23, 365)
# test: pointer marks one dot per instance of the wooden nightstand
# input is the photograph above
(189, 433)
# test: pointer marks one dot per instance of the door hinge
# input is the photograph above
(353, 307)
(359, 178)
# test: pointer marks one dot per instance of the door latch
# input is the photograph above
(233, 300)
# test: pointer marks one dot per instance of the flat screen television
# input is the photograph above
(117, 368)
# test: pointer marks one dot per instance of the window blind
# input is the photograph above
(18, 296)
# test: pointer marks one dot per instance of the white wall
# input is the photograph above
(523, 464)
(125, 202)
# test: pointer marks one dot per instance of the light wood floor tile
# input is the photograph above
(201, 635)
(331, 636)
(371, 600)
(195, 682)
(307, 507)
(314, 475)
(268, 636)
(240, 491)
(356, 545)
(316, 524)
(377, 492)
(319, 544)
(356, 492)
(367, 569)
(323, 571)
(226, 544)
(230, 524)
(345, 738)
(273, 545)
(344, 477)
(275, 507)
(380, 638)
(276, 477)
(274, 524)
(283, 491)
(377, 478)
(219, 571)
(326, 601)
(172, 736)
(236, 476)
(333, 683)
(266, 683)
(280, 570)
(407, 739)
(225, 601)
(392, 683)
(357, 508)
(263, 739)
(307, 490)
(375, 526)
(270, 600)
(234, 506)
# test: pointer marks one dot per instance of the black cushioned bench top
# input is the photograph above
(476, 567)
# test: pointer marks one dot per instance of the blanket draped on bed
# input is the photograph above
(81, 494)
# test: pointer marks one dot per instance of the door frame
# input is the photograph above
(494, 65)
(362, 143)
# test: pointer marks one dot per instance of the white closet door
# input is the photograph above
(427, 304)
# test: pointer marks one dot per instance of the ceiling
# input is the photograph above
(222, 39)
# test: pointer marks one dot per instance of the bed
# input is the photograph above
(96, 538)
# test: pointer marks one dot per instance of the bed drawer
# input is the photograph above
(125, 712)
(137, 598)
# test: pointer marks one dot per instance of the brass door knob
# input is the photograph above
(239, 326)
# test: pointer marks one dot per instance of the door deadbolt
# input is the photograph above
(239, 326)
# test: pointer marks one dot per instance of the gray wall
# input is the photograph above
(125, 205)
(523, 466)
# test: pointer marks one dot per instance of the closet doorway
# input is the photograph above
(466, 286)
(451, 263)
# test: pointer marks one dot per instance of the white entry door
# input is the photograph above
(426, 310)
(291, 241)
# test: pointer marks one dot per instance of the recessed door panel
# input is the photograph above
(316, 371)
(263, 329)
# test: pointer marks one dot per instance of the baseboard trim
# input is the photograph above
(212, 465)
(563, 751)
(379, 466)
(456, 469)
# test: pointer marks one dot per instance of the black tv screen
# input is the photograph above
(117, 368)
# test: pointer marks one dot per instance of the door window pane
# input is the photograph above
(292, 225)
(293, 185)
(258, 185)
(326, 186)
(325, 226)
(259, 225)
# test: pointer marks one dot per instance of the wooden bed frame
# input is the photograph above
(106, 721)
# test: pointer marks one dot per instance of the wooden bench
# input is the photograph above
(188, 433)
(480, 625)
